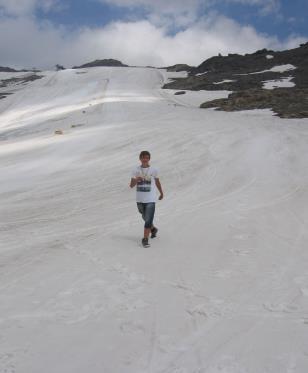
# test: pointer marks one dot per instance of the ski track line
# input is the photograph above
(178, 174)
(168, 97)
(215, 200)
(285, 197)
(206, 181)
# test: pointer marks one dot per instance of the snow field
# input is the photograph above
(223, 287)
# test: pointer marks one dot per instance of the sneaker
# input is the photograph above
(145, 242)
(154, 231)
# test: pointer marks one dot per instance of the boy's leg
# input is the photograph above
(141, 209)
(148, 218)
(154, 231)
(146, 233)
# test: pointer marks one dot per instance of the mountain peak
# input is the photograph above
(104, 62)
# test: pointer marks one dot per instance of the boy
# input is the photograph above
(144, 176)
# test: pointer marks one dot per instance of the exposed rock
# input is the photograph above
(4, 94)
(180, 93)
(106, 62)
(249, 72)
(286, 102)
(58, 132)
(9, 86)
(59, 67)
(221, 81)
(258, 61)
(7, 70)
(77, 125)
(20, 80)
(179, 67)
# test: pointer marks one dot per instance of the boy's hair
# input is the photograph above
(143, 153)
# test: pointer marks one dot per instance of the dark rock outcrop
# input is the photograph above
(7, 70)
(249, 72)
(179, 67)
(4, 94)
(59, 67)
(278, 100)
(19, 80)
(97, 63)
(12, 83)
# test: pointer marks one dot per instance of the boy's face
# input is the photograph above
(145, 159)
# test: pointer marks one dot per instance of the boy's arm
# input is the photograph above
(158, 184)
(133, 182)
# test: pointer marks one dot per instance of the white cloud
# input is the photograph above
(26, 43)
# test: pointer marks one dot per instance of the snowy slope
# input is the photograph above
(223, 288)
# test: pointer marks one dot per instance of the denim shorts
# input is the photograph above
(147, 211)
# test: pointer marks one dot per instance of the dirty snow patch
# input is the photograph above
(277, 69)
(225, 81)
(280, 83)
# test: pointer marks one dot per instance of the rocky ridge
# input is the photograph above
(10, 85)
(246, 76)
(105, 62)
(4, 69)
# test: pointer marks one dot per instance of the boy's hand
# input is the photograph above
(161, 196)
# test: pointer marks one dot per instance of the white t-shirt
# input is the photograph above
(146, 189)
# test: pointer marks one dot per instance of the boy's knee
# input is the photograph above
(140, 208)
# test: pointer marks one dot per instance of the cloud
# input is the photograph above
(28, 43)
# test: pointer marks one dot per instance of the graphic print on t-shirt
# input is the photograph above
(144, 185)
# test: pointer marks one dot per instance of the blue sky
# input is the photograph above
(157, 32)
